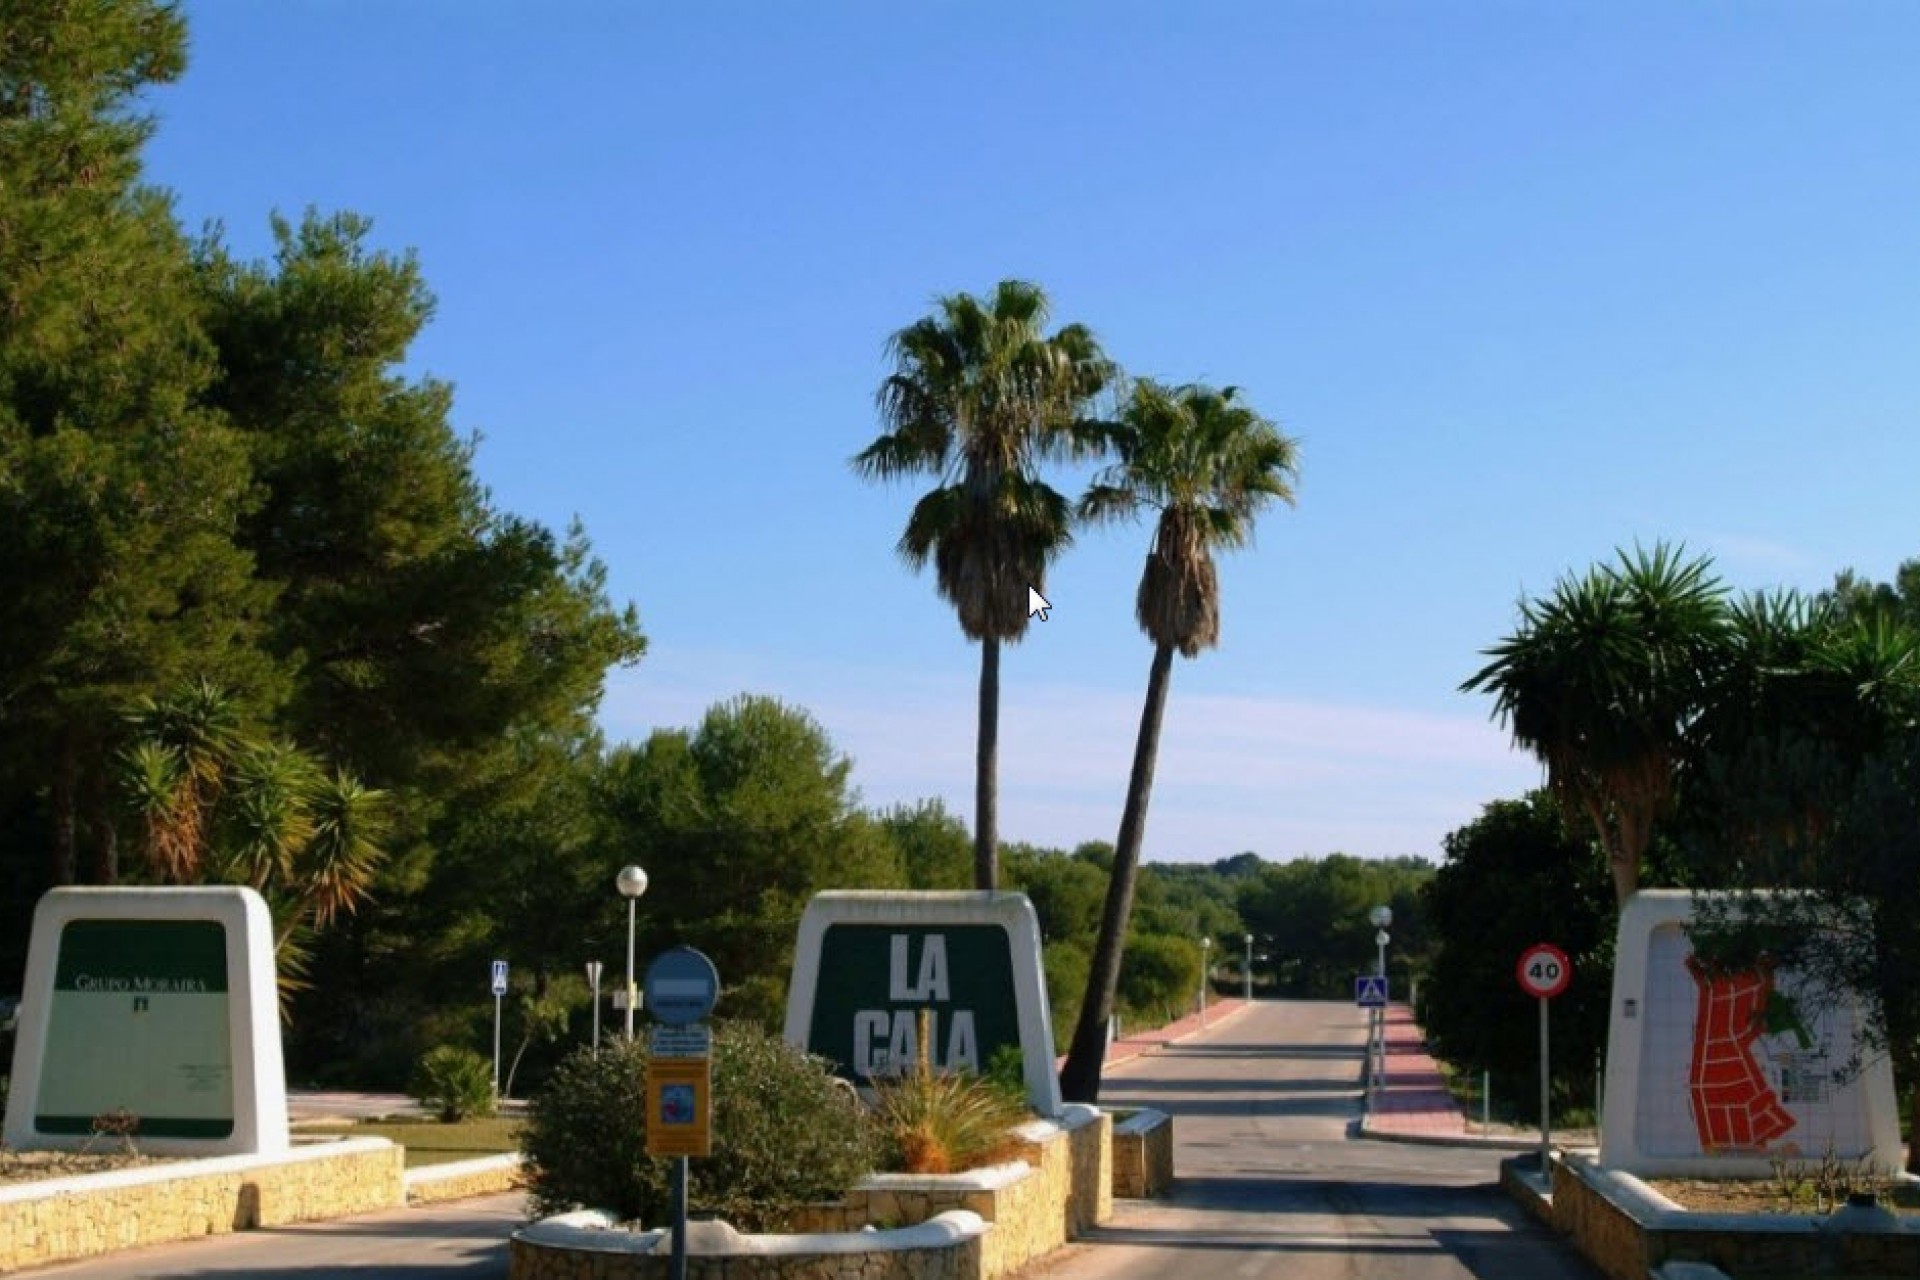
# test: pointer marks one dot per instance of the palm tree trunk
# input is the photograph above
(986, 768)
(1080, 1076)
(103, 858)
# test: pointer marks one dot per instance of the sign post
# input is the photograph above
(499, 992)
(593, 980)
(1544, 972)
(682, 986)
(1370, 993)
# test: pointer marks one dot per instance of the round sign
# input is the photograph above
(1544, 970)
(682, 986)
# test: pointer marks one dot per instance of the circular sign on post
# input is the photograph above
(1544, 970)
(681, 987)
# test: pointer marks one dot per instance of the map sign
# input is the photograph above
(1713, 1071)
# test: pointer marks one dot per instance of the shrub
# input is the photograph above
(946, 1123)
(454, 1083)
(785, 1133)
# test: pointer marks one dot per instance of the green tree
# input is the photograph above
(1602, 682)
(1514, 877)
(1160, 978)
(118, 491)
(741, 820)
(935, 850)
(980, 396)
(1312, 915)
(449, 653)
(425, 623)
(1208, 463)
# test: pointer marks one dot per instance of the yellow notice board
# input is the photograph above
(679, 1107)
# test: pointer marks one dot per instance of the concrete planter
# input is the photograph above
(990, 1223)
(1629, 1230)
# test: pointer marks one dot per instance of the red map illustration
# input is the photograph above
(1734, 1108)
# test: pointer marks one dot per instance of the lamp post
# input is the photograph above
(1206, 953)
(1380, 917)
(593, 980)
(632, 882)
(1248, 972)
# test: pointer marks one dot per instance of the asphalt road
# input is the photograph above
(1270, 1186)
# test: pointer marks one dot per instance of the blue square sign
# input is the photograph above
(1370, 991)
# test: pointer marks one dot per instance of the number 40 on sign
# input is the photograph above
(1544, 970)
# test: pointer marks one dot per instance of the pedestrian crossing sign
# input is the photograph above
(1370, 990)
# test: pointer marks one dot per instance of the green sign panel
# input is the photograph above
(139, 1020)
(876, 979)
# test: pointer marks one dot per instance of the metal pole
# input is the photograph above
(1546, 1128)
(1249, 973)
(630, 903)
(496, 1044)
(1206, 954)
(1599, 1086)
(596, 1005)
(1486, 1102)
(1380, 967)
(677, 1269)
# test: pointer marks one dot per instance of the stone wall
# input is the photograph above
(1059, 1183)
(1142, 1154)
(458, 1179)
(62, 1219)
(1626, 1229)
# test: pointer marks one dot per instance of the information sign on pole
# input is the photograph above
(499, 990)
(1544, 972)
(679, 1107)
(682, 1042)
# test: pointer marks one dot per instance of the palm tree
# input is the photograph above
(981, 395)
(216, 803)
(1208, 463)
(1603, 682)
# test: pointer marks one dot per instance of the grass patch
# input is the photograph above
(430, 1142)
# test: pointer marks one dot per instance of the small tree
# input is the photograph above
(454, 1082)
(1602, 681)
(786, 1132)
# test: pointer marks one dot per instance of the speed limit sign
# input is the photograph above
(1544, 970)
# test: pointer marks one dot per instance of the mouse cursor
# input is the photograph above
(1037, 604)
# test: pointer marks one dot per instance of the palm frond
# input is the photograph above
(1210, 464)
(980, 395)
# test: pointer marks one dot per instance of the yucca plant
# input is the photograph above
(945, 1123)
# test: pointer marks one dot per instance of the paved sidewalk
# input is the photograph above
(1415, 1102)
(1139, 1043)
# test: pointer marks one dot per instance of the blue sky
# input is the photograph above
(1528, 282)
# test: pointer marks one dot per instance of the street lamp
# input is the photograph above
(1380, 917)
(1248, 975)
(632, 882)
(1206, 952)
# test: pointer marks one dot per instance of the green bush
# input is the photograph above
(785, 1133)
(453, 1083)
